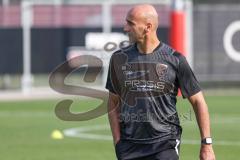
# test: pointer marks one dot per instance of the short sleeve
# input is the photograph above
(187, 81)
(112, 82)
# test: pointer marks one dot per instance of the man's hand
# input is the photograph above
(113, 115)
(206, 152)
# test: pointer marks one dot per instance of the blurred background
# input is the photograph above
(36, 36)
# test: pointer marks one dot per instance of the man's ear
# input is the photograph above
(148, 27)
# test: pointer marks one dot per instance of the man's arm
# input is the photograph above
(113, 116)
(202, 115)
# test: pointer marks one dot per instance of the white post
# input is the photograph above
(57, 12)
(107, 27)
(5, 3)
(26, 18)
(189, 32)
(177, 5)
(106, 17)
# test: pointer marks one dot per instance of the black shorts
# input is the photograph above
(165, 150)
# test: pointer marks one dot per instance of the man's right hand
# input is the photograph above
(113, 116)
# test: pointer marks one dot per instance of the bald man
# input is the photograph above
(143, 82)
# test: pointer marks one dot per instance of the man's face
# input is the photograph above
(134, 27)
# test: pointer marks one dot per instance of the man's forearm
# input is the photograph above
(202, 114)
(113, 116)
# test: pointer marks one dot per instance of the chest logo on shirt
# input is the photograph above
(161, 70)
(134, 75)
(141, 79)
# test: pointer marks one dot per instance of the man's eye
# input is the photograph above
(131, 24)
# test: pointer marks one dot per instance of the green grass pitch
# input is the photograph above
(25, 129)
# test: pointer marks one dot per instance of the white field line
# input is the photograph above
(39, 93)
(85, 133)
(217, 119)
(26, 114)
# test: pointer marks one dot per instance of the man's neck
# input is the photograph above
(148, 46)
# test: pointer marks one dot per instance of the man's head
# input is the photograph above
(141, 21)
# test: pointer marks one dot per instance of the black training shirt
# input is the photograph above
(148, 86)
